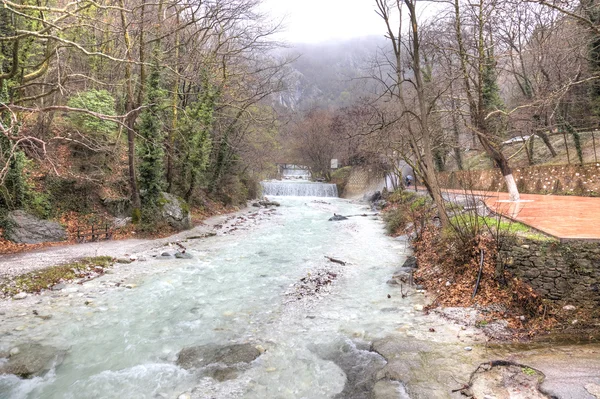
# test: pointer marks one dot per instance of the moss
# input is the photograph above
(136, 215)
(39, 280)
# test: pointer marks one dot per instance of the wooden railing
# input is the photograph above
(95, 233)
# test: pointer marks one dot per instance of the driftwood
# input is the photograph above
(341, 262)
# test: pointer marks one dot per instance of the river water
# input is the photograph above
(242, 288)
(238, 288)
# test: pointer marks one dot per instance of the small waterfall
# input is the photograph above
(303, 174)
(299, 189)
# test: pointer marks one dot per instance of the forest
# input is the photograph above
(121, 100)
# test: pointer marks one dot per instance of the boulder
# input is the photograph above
(175, 211)
(28, 229)
(31, 360)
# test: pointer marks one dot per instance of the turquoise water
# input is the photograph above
(238, 288)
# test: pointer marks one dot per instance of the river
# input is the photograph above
(243, 288)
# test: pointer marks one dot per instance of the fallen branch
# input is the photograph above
(341, 262)
(478, 275)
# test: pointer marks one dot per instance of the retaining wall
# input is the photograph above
(565, 272)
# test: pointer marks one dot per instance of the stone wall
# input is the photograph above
(363, 180)
(565, 272)
(555, 179)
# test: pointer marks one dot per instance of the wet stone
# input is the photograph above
(183, 255)
(201, 356)
(31, 360)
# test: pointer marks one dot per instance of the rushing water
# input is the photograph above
(299, 189)
(235, 290)
(296, 174)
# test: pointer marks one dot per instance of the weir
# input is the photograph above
(298, 189)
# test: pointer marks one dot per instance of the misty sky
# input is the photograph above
(313, 21)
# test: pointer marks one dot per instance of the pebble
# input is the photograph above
(569, 307)
(130, 286)
(418, 308)
(184, 396)
(468, 348)
(20, 295)
(2, 313)
(14, 351)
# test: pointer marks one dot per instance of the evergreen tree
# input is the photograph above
(150, 149)
(196, 130)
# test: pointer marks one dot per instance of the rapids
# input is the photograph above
(236, 289)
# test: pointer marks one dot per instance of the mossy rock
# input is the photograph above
(175, 211)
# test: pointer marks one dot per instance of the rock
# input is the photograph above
(256, 204)
(20, 295)
(569, 307)
(175, 211)
(183, 255)
(229, 355)
(123, 261)
(337, 218)
(28, 229)
(266, 203)
(118, 207)
(593, 389)
(376, 196)
(121, 222)
(166, 255)
(31, 360)
(185, 396)
(387, 389)
(410, 263)
(14, 351)
(418, 308)
(379, 204)
(468, 348)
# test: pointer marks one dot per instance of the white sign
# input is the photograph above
(334, 164)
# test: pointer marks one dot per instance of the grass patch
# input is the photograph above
(39, 280)
(502, 225)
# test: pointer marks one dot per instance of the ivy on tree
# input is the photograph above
(150, 148)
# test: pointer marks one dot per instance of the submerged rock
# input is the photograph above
(200, 356)
(337, 218)
(183, 255)
(30, 360)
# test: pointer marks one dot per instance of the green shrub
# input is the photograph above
(100, 101)
(395, 219)
(401, 197)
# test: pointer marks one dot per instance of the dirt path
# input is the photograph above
(20, 263)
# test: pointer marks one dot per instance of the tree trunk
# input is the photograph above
(135, 194)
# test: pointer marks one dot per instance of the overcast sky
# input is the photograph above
(313, 21)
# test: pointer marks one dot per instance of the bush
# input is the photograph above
(395, 220)
(401, 197)
(100, 101)
(340, 178)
